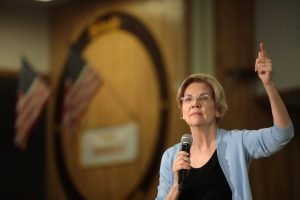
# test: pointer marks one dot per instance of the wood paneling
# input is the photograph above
(276, 177)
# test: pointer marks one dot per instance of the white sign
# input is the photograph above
(110, 145)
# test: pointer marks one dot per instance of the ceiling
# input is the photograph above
(34, 3)
(54, 3)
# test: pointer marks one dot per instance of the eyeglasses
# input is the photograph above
(203, 98)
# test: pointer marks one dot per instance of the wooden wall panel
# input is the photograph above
(271, 178)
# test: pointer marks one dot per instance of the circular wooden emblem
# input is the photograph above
(129, 109)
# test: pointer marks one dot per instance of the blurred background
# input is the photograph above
(139, 51)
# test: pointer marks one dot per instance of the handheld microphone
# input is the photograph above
(186, 142)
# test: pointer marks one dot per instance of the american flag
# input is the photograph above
(80, 84)
(32, 95)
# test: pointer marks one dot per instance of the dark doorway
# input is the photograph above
(21, 172)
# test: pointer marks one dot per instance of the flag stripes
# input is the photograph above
(78, 93)
(32, 95)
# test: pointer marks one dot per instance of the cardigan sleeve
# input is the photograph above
(265, 142)
(166, 177)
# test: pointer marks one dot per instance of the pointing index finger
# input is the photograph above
(263, 50)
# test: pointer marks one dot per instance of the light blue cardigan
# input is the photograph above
(236, 149)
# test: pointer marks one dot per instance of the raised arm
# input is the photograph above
(263, 66)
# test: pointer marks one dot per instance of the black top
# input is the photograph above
(207, 182)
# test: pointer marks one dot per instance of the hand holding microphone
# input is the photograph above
(182, 163)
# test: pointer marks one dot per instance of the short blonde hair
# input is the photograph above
(217, 91)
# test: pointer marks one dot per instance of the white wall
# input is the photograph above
(202, 43)
(278, 26)
(24, 31)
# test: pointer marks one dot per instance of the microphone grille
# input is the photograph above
(187, 138)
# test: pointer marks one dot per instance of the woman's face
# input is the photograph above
(198, 106)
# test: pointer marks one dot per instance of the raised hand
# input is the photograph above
(263, 66)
